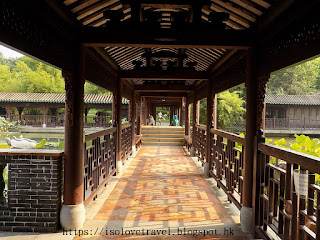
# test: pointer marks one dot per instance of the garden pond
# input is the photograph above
(53, 141)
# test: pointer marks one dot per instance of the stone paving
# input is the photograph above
(161, 194)
(162, 184)
(161, 190)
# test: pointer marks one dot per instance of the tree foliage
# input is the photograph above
(203, 111)
(28, 75)
(90, 88)
(230, 108)
(302, 79)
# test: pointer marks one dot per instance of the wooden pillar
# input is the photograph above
(264, 117)
(215, 117)
(20, 109)
(143, 111)
(118, 122)
(139, 115)
(86, 110)
(251, 122)
(195, 116)
(153, 113)
(133, 120)
(180, 112)
(210, 119)
(187, 118)
(198, 112)
(171, 114)
(9, 110)
(114, 109)
(129, 110)
(44, 115)
(72, 212)
(260, 115)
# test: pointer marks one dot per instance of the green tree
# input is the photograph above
(90, 88)
(230, 108)
(10, 62)
(25, 74)
(203, 111)
(302, 79)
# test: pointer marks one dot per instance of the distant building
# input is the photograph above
(292, 111)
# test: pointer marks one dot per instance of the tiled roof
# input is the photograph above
(54, 98)
(294, 99)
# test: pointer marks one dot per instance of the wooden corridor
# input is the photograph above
(162, 188)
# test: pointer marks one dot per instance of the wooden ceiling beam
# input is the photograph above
(222, 60)
(174, 99)
(164, 88)
(149, 74)
(107, 58)
(146, 35)
(164, 94)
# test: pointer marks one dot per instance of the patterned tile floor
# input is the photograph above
(163, 185)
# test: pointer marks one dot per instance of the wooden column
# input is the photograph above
(180, 113)
(44, 115)
(143, 111)
(118, 121)
(9, 110)
(153, 113)
(187, 118)
(210, 119)
(215, 117)
(260, 106)
(86, 110)
(251, 122)
(139, 115)
(73, 150)
(133, 118)
(114, 109)
(20, 109)
(195, 117)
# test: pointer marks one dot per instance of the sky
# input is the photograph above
(8, 53)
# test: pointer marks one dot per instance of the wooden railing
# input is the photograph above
(291, 123)
(55, 121)
(227, 163)
(279, 209)
(99, 160)
(200, 142)
(126, 141)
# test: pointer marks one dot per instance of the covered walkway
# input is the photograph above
(162, 54)
(162, 188)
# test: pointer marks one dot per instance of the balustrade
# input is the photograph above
(227, 163)
(280, 208)
(55, 121)
(291, 123)
(200, 142)
(126, 141)
(99, 160)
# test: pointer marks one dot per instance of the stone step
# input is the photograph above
(144, 139)
(150, 143)
(157, 135)
(162, 129)
(162, 132)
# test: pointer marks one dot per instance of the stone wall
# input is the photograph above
(34, 190)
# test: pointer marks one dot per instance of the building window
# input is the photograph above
(306, 113)
(299, 113)
(313, 113)
(291, 112)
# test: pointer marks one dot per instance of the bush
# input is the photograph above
(6, 124)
